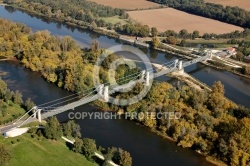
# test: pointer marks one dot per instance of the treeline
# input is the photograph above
(86, 146)
(8, 99)
(209, 122)
(232, 15)
(83, 13)
(184, 34)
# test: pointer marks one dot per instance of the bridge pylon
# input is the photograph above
(145, 77)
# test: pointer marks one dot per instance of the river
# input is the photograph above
(146, 148)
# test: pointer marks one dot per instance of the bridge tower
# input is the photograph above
(145, 76)
(103, 91)
(180, 67)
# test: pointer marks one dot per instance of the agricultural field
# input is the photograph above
(128, 4)
(244, 4)
(171, 19)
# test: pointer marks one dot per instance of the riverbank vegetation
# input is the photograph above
(87, 147)
(210, 123)
(11, 104)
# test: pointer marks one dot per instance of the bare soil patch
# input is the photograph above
(171, 19)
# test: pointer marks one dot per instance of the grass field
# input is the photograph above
(128, 4)
(115, 20)
(32, 152)
(171, 19)
(245, 4)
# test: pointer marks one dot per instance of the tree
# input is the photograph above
(94, 46)
(195, 34)
(155, 42)
(247, 69)
(78, 145)
(17, 98)
(89, 147)
(239, 56)
(5, 155)
(183, 43)
(29, 104)
(183, 33)
(71, 129)
(53, 129)
(124, 158)
(171, 40)
(154, 31)
(3, 88)
(218, 87)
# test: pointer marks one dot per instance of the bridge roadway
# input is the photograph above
(4, 129)
(47, 112)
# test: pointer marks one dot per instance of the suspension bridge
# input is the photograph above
(103, 91)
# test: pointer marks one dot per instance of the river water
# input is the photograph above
(146, 148)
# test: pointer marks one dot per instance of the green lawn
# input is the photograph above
(31, 151)
(115, 19)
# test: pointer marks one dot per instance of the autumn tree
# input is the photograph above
(171, 40)
(155, 42)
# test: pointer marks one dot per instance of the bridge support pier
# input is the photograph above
(180, 67)
(176, 63)
(147, 78)
(34, 115)
(143, 74)
(39, 116)
(100, 90)
(106, 93)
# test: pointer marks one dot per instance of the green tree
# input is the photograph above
(28, 104)
(3, 88)
(17, 98)
(71, 129)
(89, 148)
(5, 155)
(195, 34)
(53, 129)
(154, 31)
(239, 56)
(78, 145)
(183, 43)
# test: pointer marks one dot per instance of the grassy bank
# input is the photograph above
(9, 112)
(31, 151)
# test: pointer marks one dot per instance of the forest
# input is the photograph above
(210, 123)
